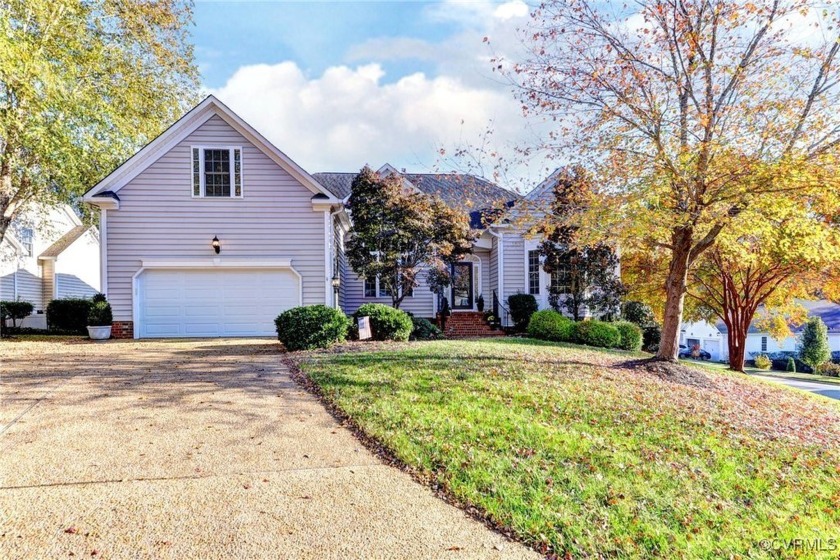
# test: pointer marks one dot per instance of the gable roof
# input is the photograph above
(63, 242)
(825, 309)
(182, 128)
(462, 191)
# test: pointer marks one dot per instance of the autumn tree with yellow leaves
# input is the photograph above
(689, 114)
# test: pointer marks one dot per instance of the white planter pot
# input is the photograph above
(99, 333)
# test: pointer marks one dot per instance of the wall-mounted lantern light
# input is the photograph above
(216, 245)
(336, 284)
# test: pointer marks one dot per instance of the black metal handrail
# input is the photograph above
(498, 304)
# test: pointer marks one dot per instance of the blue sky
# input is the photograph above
(337, 85)
(316, 35)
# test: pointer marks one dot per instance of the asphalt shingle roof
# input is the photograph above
(462, 191)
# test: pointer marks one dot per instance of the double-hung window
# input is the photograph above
(374, 288)
(217, 172)
(534, 273)
(27, 235)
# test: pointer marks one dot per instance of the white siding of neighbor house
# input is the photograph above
(789, 344)
(159, 219)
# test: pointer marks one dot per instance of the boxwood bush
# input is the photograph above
(100, 314)
(551, 325)
(597, 333)
(386, 323)
(631, 336)
(423, 329)
(522, 306)
(311, 326)
(68, 315)
(762, 361)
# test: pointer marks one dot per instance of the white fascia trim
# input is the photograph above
(324, 205)
(182, 128)
(104, 203)
(161, 145)
(71, 214)
(218, 262)
(103, 250)
(14, 242)
(328, 242)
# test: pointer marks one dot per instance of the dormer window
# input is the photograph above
(217, 172)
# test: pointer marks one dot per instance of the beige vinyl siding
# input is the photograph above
(513, 265)
(159, 219)
(48, 280)
(421, 304)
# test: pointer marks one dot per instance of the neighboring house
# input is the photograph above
(759, 341)
(280, 233)
(47, 253)
(707, 335)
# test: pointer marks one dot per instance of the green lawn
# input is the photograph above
(579, 456)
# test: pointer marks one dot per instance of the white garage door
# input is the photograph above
(207, 303)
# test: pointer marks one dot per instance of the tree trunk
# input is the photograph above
(5, 197)
(675, 287)
(736, 337)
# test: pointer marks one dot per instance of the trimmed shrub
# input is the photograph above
(522, 306)
(631, 335)
(386, 323)
(100, 314)
(311, 326)
(597, 333)
(15, 310)
(69, 314)
(763, 362)
(424, 329)
(551, 325)
(830, 369)
(791, 365)
(98, 297)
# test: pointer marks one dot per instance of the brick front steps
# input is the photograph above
(462, 324)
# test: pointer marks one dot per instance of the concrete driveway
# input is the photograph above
(825, 389)
(201, 448)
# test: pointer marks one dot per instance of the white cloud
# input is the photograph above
(348, 117)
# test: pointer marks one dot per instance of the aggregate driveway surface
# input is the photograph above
(199, 448)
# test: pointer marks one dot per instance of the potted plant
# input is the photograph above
(100, 320)
(479, 303)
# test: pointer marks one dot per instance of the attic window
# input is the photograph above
(216, 172)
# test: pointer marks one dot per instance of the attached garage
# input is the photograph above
(212, 302)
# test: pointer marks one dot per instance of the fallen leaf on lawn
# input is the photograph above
(71, 530)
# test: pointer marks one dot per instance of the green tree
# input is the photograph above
(396, 233)
(581, 276)
(813, 346)
(688, 112)
(83, 84)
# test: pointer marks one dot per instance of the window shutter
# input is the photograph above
(237, 172)
(196, 156)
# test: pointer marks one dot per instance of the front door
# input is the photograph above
(462, 285)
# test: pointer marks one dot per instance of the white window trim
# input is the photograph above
(201, 174)
(379, 293)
